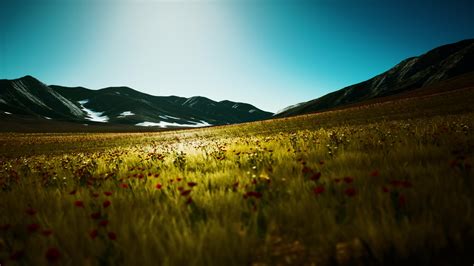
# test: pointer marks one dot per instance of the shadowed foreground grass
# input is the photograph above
(378, 192)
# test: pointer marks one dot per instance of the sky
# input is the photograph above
(271, 54)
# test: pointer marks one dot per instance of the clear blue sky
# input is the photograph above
(268, 53)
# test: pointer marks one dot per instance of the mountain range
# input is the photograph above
(438, 65)
(118, 105)
(27, 100)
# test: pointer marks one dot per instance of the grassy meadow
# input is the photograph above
(385, 184)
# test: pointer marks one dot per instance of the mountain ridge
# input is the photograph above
(118, 105)
(436, 65)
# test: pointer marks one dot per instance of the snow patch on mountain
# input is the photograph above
(252, 111)
(164, 124)
(3, 101)
(92, 115)
(126, 113)
(7, 113)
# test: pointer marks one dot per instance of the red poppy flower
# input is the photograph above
(306, 170)
(348, 179)
(79, 203)
(103, 223)
(31, 211)
(189, 200)
(351, 192)
(95, 194)
(385, 189)
(315, 176)
(159, 186)
(93, 233)
(192, 184)
(112, 236)
(47, 232)
(337, 180)
(178, 179)
(53, 255)
(124, 185)
(73, 192)
(318, 190)
(185, 192)
(95, 215)
(107, 193)
(402, 201)
(375, 173)
(32, 227)
(106, 203)
(254, 194)
(321, 162)
(157, 175)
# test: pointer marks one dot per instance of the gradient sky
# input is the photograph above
(268, 53)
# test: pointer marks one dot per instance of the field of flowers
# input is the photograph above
(375, 185)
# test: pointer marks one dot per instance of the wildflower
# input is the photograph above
(315, 176)
(53, 255)
(112, 236)
(306, 170)
(157, 175)
(106, 203)
(79, 203)
(192, 184)
(375, 173)
(402, 201)
(318, 190)
(107, 193)
(385, 189)
(32, 227)
(124, 185)
(189, 200)
(104, 223)
(351, 192)
(337, 180)
(95, 215)
(348, 179)
(95, 194)
(180, 188)
(47, 232)
(254, 194)
(73, 192)
(93, 233)
(178, 179)
(31, 211)
(159, 186)
(185, 192)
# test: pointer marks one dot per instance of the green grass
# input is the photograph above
(395, 186)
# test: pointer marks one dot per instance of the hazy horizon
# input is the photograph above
(270, 54)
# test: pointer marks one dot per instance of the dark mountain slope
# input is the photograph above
(439, 64)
